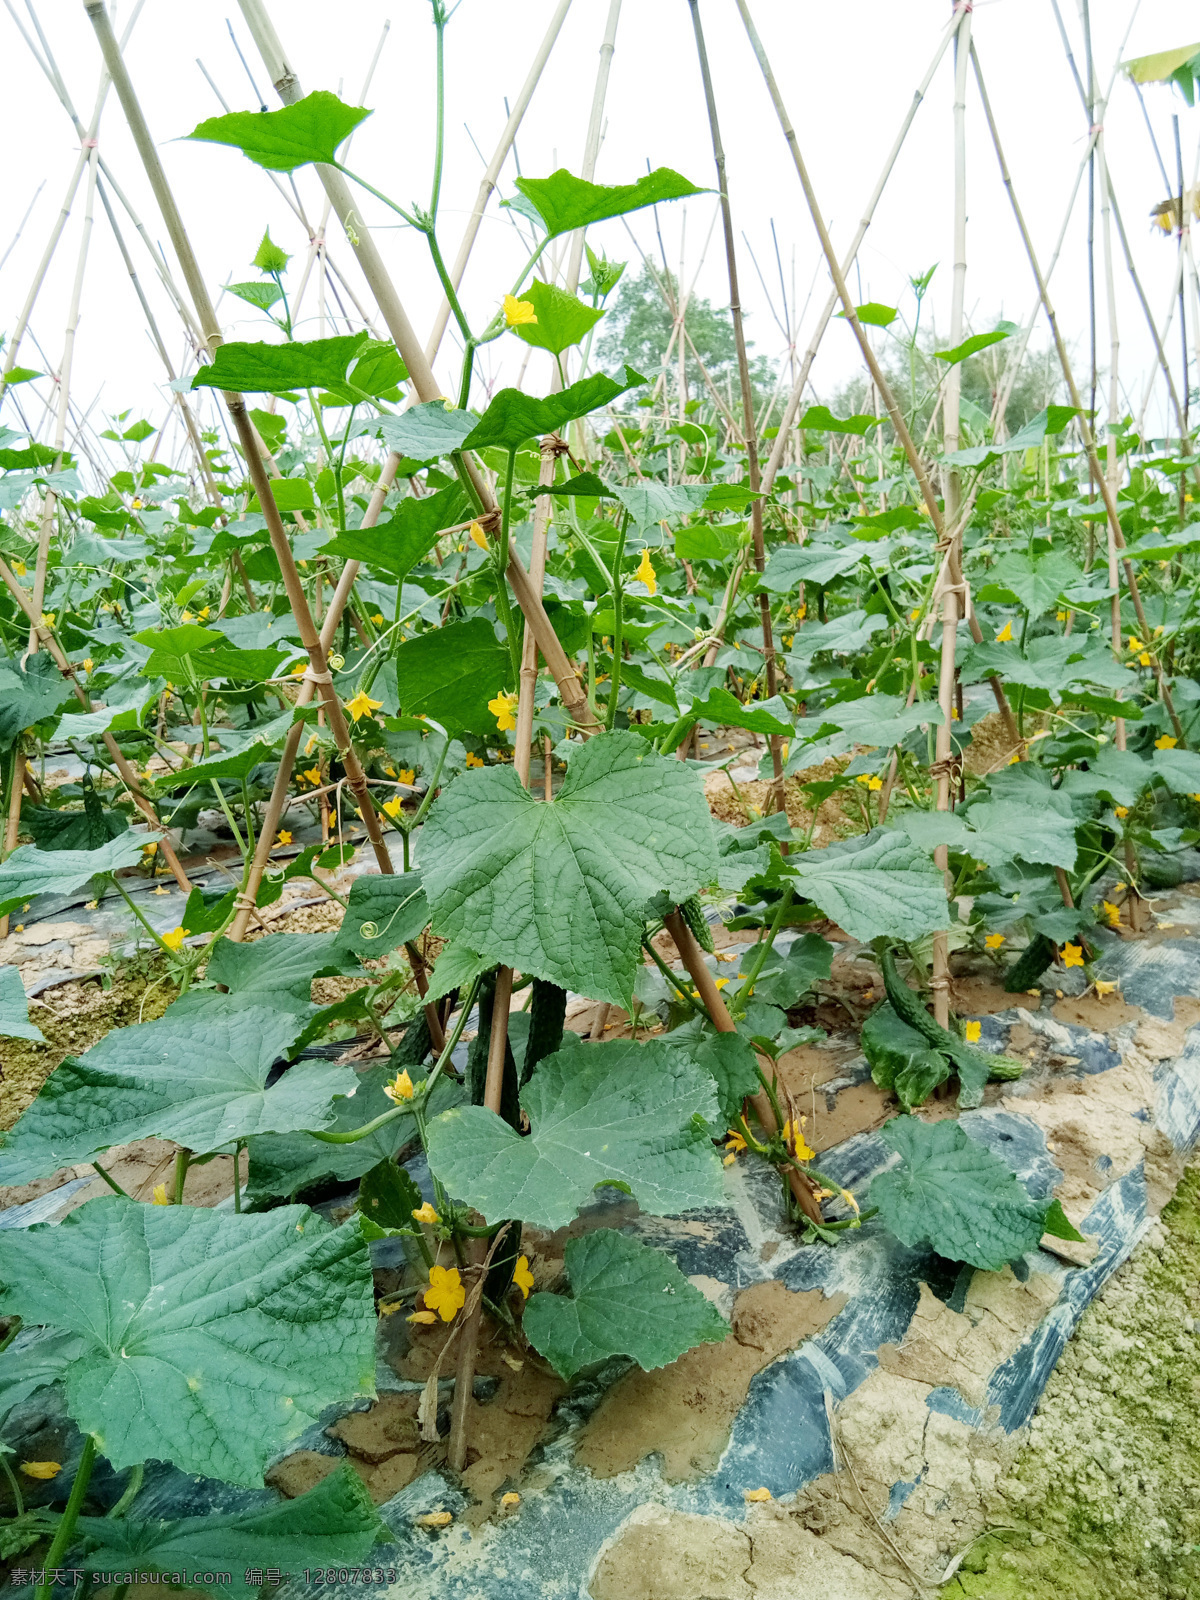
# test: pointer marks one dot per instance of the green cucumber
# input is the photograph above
(414, 1046)
(1029, 966)
(547, 1010)
(693, 914)
(1161, 872)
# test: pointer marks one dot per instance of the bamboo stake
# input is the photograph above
(64, 389)
(12, 829)
(693, 959)
(236, 406)
(287, 86)
(943, 762)
(776, 457)
(885, 391)
(748, 421)
(1114, 414)
(492, 173)
(1085, 430)
(552, 448)
(591, 147)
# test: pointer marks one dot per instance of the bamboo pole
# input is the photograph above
(1085, 429)
(64, 390)
(492, 174)
(287, 86)
(777, 451)
(591, 147)
(693, 959)
(1113, 464)
(750, 436)
(951, 396)
(885, 391)
(236, 406)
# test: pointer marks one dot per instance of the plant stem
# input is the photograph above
(618, 594)
(763, 948)
(111, 1182)
(137, 1475)
(165, 948)
(65, 1531)
(182, 1160)
(18, 1497)
(239, 1146)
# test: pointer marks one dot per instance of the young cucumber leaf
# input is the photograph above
(819, 419)
(514, 417)
(280, 368)
(450, 674)
(334, 1524)
(289, 494)
(626, 1299)
(14, 1009)
(210, 1340)
(558, 890)
(387, 1197)
(30, 871)
(427, 432)
(788, 977)
(954, 1195)
(197, 1078)
(27, 697)
(281, 141)
(878, 885)
(382, 914)
(565, 202)
(633, 1115)
(731, 1060)
(970, 347)
(561, 321)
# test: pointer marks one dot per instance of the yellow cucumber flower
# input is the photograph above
(426, 1213)
(175, 938)
(972, 1031)
(1005, 634)
(393, 807)
(502, 708)
(1072, 955)
(362, 705)
(445, 1294)
(645, 573)
(1166, 742)
(400, 1090)
(518, 312)
(522, 1276)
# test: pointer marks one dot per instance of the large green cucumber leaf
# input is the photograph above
(901, 1058)
(1178, 769)
(310, 130)
(999, 831)
(278, 971)
(334, 1524)
(36, 1364)
(634, 1115)
(787, 977)
(256, 368)
(29, 695)
(450, 674)
(210, 1339)
(198, 1078)
(30, 871)
(122, 711)
(558, 889)
(953, 1194)
(730, 1058)
(794, 564)
(512, 417)
(1036, 581)
(626, 1299)
(14, 1009)
(881, 884)
(1052, 420)
(396, 546)
(565, 202)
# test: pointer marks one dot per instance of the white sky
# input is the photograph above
(847, 74)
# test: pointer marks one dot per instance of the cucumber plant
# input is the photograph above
(210, 1339)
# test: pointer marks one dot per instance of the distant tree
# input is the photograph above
(638, 328)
